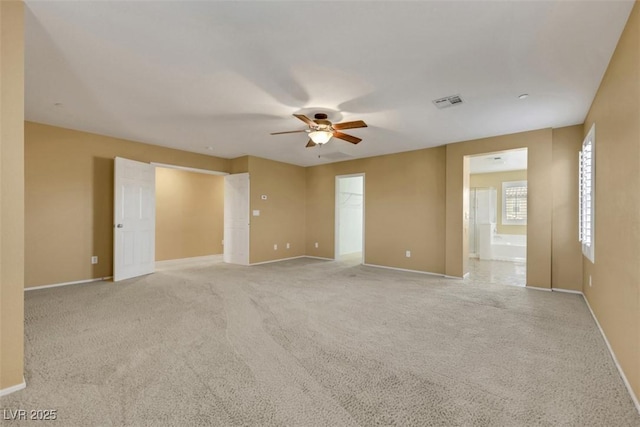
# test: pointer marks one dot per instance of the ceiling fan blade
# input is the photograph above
(289, 131)
(350, 138)
(310, 144)
(350, 125)
(305, 119)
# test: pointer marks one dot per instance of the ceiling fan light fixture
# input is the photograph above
(320, 136)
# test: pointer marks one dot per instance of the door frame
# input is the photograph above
(466, 189)
(336, 249)
(171, 166)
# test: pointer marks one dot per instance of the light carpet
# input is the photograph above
(308, 342)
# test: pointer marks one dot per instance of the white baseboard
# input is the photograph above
(634, 398)
(77, 282)
(160, 265)
(278, 260)
(535, 288)
(318, 257)
(13, 388)
(566, 291)
(411, 271)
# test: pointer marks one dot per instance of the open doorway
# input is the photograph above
(497, 233)
(349, 237)
(189, 216)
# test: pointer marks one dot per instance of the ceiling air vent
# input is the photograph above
(448, 101)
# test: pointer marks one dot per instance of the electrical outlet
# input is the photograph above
(407, 254)
(94, 259)
(288, 246)
(275, 247)
(316, 245)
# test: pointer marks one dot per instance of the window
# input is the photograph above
(514, 203)
(586, 218)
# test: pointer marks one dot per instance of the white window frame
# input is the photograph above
(587, 199)
(505, 186)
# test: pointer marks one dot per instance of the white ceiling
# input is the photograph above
(192, 75)
(510, 160)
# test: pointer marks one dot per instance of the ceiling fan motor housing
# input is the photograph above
(320, 129)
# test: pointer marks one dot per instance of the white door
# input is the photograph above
(134, 234)
(236, 219)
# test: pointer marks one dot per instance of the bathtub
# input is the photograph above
(509, 247)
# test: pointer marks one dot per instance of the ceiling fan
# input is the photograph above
(321, 130)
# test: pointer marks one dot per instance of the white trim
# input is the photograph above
(588, 250)
(566, 291)
(13, 388)
(293, 257)
(188, 169)
(183, 261)
(277, 260)
(412, 271)
(466, 275)
(535, 288)
(634, 398)
(77, 282)
(318, 257)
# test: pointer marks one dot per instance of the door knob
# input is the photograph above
(120, 225)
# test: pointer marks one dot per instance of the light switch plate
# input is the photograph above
(256, 212)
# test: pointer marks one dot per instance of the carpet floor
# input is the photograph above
(309, 342)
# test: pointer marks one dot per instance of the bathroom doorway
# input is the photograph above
(497, 228)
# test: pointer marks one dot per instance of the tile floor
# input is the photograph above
(498, 272)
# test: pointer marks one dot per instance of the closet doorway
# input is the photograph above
(349, 219)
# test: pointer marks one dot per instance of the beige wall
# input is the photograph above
(69, 196)
(566, 252)
(11, 193)
(540, 202)
(404, 208)
(495, 180)
(189, 214)
(69, 199)
(239, 165)
(615, 292)
(282, 215)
